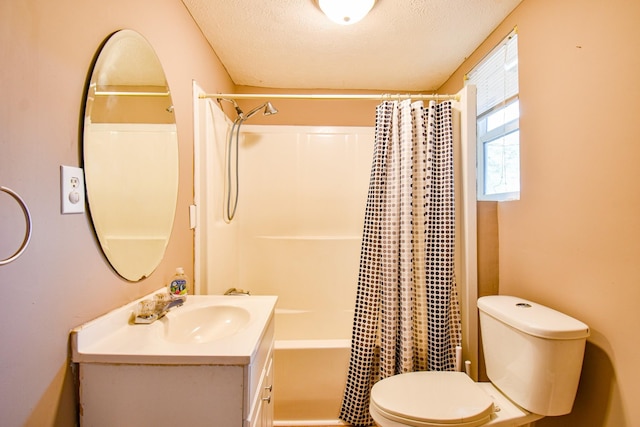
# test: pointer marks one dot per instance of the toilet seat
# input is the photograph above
(429, 399)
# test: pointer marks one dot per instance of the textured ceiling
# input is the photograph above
(403, 45)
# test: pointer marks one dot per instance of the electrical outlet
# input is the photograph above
(71, 190)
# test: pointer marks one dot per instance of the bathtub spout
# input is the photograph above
(235, 291)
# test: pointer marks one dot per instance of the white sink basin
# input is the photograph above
(207, 329)
(204, 324)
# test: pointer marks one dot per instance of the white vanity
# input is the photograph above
(206, 363)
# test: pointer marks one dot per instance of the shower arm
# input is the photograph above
(235, 105)
(268, 110)
(255, 110)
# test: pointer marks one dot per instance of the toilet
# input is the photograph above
(533, 357)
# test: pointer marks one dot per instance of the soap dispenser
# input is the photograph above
(179, 285)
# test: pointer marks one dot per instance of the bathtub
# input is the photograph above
(311, 359)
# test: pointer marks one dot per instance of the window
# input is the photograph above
(498, 122)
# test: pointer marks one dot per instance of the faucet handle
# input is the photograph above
(146, 312)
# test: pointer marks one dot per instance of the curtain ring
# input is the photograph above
(27, 217)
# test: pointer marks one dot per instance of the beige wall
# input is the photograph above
(62, 280)
(572, 241)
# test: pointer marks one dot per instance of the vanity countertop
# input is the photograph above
(112, 338)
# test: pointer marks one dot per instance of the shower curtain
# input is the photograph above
(407, 315)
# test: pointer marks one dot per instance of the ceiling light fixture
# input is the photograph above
(346, 12)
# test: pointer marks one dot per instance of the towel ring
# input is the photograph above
(27, 217)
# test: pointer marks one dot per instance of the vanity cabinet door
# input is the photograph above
(160, 395)
(267, 396)
(262, 415)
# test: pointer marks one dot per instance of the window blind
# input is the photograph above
(496, 77)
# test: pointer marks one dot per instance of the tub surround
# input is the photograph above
(312, 351)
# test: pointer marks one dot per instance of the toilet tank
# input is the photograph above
(533, 353)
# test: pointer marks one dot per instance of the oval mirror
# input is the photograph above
(130, 155)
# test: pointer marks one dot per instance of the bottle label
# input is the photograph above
(178, 287)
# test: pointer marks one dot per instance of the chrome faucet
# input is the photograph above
(148, 311)
(177, 302)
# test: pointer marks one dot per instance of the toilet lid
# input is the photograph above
(432, 398)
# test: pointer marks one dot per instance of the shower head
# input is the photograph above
(269, 109)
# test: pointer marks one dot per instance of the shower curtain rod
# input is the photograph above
(380, 97)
